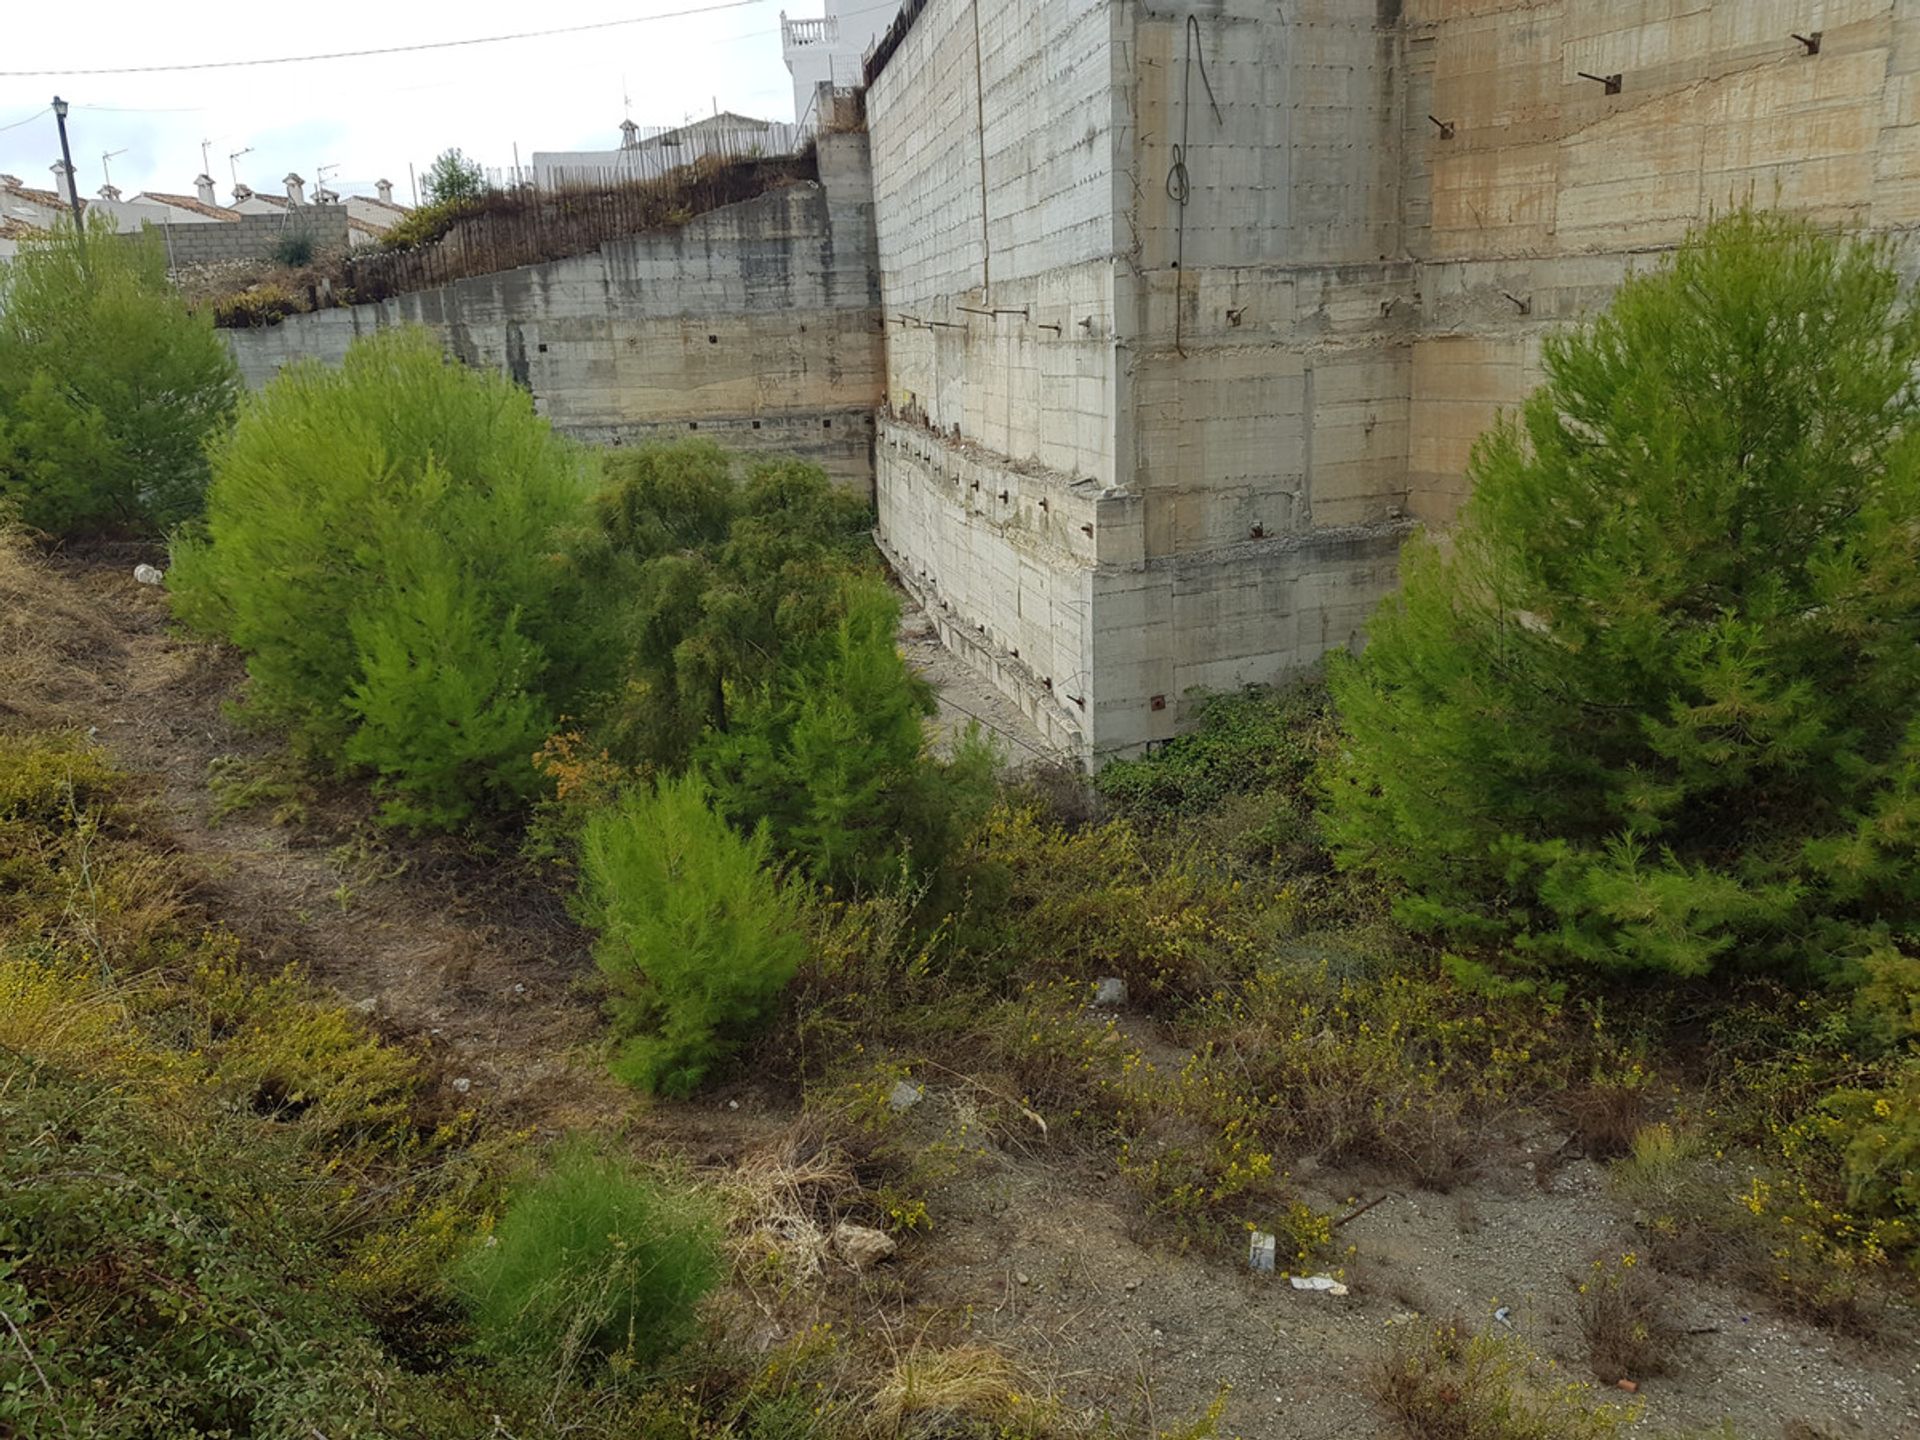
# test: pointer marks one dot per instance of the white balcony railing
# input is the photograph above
(796, 34)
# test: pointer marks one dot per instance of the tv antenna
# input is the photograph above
(106, 170)
(234, 169)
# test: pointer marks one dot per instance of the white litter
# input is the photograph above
(1260, 1252)
(147, 575)
(1317, 1282)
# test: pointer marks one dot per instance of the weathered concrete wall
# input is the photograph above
(1139, 446)
(1191, 312)
(252, 237)
(755, 324)
(1550, 191)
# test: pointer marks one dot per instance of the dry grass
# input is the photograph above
(934, 1388)
(781, 1205)
(1622, 1318)
(50, 641)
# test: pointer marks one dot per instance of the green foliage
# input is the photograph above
(424, 224)
(1255, 741)
(1443, 1382)
(594, 1256)
(764, 653)
(216, 1191)
(452, 177)
(725, 578)
(697, 937)
(832, 755)
(109, 388)
(1653, 708)
(294, 248)
(256, 307)
(388, 542)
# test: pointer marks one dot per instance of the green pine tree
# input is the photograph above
(1655, 702)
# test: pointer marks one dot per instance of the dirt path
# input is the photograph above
(483, 967)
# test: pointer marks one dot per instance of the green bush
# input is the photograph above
(1256, 741)
(726, 580)
(109, 388)
(293, 248)
(832, 754)
(697, 937)
(1654, 705)
(764, 652)
(389, 543)
(592, 1256)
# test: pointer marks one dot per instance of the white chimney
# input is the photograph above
(296, 189)
(629, 135)
(242, 192)
(109, 192)
(204, 184)
(384, 189)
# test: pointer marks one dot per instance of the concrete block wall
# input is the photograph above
(252, 237)
(756, 324)
(1549, 192)
(1215, 394)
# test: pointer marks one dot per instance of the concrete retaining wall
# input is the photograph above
(755, 324)
(1197, 413)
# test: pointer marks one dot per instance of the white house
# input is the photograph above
(200, 208)
(829, 50)
(649, 154)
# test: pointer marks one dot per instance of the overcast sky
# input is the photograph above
(369, 116)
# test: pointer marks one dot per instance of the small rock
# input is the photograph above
(368, 1005)
(1132, 1285)
(147, 575)
(1022, 1278)
(905, 1095)
(1260, 1253)
(1110, 991)
(519, 989)
(733, 1104)
(861, 1246)
(1632, 1387)
(462, 1085)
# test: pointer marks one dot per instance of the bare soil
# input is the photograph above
(1036, 1248)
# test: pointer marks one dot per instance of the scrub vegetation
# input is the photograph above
(1607, 836)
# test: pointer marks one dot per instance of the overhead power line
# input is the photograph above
(393, 49)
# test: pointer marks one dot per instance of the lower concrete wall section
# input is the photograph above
(756, 324)
(1044, 583)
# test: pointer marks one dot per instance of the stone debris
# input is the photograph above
(462, 1085)
(147, 575)
(1110, 991)
(1260, 1253)
(861, 1246)
(905, 1095)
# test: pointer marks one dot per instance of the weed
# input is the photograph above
(592, 1257)
(698, 938)
(239, 783)
(294, 248)
(1443, 1382)
(1622, 1319)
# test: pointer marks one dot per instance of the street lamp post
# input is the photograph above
(73, 188)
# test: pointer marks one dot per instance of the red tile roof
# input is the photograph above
(188, 202)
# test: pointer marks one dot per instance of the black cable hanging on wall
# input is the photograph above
(1179, 183)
